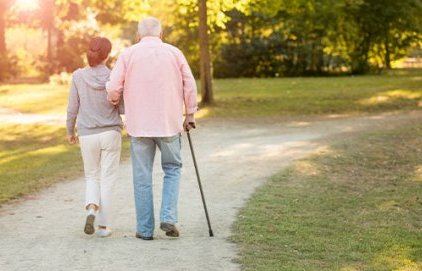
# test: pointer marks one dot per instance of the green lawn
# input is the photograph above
(356, 205)
(312, 96)
(253, 97)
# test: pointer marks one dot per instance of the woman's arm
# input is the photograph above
(72, 111)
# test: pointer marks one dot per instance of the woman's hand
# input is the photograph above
(71, 139)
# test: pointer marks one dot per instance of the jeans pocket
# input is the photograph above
(170, 139)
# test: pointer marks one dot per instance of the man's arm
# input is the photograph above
(116, 82)
(189, 94)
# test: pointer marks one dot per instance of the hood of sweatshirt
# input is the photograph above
(96, 77)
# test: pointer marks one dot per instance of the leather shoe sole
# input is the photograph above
(147, 238)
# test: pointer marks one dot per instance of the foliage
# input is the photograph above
(384, 37)
(316, 37)
(76, 35)
(255, 58)
(253, 38)
(9, 66)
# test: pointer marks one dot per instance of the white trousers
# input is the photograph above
(101, 158)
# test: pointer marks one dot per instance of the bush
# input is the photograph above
(8, 66)
(255, 58)
(62, 78)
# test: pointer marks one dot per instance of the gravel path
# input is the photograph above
(45, 232)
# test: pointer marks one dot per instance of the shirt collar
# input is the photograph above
(150, 39)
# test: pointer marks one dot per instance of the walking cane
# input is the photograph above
(199, 181)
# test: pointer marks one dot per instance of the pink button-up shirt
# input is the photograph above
(156, 81)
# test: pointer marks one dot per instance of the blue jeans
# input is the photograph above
(142, 153)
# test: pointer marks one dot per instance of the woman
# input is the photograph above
(99, 128)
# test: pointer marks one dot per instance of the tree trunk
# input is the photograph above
(205, 64)
(59, 49)
(50, 58)
(387, 50)
(3, 28)
(360, 57)
(48, 25)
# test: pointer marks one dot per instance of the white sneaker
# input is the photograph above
(103, 232)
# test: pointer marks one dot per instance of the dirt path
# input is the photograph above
(45, 233)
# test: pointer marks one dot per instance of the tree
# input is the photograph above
(273, 38)
(3, 8)
(380, 29)
(48, 24)
(7, 63)
(263, 38)
(401, 24)
(205, 63)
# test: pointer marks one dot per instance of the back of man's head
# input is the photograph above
(149, 26)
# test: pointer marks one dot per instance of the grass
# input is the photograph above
(35, 156)
(315, 96)
(356, 205)
(32, 157)
(34, 98)
(252, 97)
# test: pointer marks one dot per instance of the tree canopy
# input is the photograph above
(248, 38)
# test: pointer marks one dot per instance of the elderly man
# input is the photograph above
(156, 82)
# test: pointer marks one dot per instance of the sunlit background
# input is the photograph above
(249, 38)
(26, 5)
(292, 71)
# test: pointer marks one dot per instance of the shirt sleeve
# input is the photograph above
(72, 108)
(189, 86)
(117, 78)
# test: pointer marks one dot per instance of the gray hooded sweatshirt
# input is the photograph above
(88, 103)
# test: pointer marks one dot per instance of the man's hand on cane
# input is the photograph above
(189, 122)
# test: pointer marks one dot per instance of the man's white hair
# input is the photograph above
(149, 26)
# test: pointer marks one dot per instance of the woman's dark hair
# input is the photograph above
(98, 50)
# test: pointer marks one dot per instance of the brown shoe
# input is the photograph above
(170, 229)
(146, 238)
